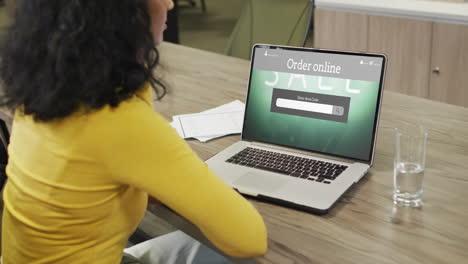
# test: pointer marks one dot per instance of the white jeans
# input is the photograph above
(174, 248)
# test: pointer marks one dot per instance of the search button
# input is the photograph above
(338, 110)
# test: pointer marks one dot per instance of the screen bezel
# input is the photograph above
(378, 101)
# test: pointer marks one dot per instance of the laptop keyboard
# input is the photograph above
(310, 169)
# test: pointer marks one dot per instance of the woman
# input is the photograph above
(87, 148)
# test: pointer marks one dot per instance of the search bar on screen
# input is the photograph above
(310, 106)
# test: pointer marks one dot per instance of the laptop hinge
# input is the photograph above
(293, 150)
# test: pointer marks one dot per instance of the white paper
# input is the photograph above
(216, 122)
(211, 124)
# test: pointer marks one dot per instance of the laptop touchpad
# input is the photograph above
(259, 182)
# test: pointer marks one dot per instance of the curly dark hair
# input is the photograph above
(60, 55)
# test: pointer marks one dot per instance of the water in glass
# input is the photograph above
(408, 184)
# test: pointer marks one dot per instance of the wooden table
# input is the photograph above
(364, 227)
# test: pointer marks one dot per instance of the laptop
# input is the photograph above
(309, 128)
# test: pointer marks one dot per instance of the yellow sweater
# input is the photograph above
(78, 187)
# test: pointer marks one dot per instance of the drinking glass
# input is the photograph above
(409, 164)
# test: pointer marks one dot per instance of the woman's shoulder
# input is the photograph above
(129, 114)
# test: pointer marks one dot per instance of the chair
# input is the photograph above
(278, 22)
(4, 139)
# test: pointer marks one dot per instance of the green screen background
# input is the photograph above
(352, 139)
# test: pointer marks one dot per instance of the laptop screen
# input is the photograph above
(316, 100)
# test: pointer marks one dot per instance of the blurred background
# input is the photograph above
(209, 30)
(426, 41)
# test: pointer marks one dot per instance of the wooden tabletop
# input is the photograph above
(364, 227)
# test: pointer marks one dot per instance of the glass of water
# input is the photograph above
(409, 164)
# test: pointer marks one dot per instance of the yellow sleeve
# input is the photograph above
(141, 149)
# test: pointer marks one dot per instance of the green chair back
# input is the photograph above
(280, 22)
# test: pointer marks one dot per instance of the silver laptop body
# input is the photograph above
(309, 128)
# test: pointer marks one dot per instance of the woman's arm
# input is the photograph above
(141, 149)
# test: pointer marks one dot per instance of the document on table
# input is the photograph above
(217, 122)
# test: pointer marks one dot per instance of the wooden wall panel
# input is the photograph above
(340, 30)
(449, 77)
(407, 44)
